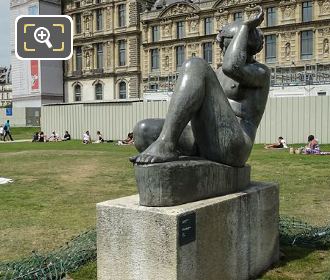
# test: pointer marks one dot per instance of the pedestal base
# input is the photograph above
(231, 237)
(182, 181)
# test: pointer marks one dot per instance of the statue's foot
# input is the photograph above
(159, 151)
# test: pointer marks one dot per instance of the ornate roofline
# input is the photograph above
(225, 4)
(181, 3)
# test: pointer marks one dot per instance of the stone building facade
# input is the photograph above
(106, 60)
(5, 95)
(5, 87)
(296, 37)
(34, 82)
(124, 49)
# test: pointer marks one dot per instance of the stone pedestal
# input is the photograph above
(182, 181)
(230, 237)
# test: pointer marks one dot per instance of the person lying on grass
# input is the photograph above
(281, 144)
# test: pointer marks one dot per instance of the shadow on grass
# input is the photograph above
(291, 253)
(298, 263)
(87, 272)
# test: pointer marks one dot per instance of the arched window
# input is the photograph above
(77, 93)
(98, 91)
(122, 90)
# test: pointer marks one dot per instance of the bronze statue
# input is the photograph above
(213, 115)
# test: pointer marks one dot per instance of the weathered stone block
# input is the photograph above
(182, 181)
(236, 237)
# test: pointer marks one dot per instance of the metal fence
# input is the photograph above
(294, 118)
(114, 119)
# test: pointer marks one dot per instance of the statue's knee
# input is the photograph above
(195, 63)
(140, 128)
(139, 132)
(146, 131)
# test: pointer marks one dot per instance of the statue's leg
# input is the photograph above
(218, 132)
(147, 131)
(200, 98)
(186, 101)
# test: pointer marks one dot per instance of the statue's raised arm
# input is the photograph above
(224, 108)
(238, 55)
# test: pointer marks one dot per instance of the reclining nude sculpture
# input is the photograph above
(213, 115)
(198, 216)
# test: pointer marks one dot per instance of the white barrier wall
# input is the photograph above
(114, 119)
(294, 118)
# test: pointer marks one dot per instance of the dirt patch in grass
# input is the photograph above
(81, 171)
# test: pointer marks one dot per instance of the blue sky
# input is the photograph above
(4, 33)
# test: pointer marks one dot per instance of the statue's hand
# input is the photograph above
(253, 23)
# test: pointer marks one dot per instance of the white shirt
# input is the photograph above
(1, 130)
(86, 137)
(284, 144)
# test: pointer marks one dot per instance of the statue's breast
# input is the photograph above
(232, 91)
(230, 87)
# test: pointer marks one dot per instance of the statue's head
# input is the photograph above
(227, 33)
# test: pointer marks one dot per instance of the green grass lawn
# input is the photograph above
(56, 187)
(19, 133)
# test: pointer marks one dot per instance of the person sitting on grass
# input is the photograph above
(99, 138)
(42, 137)
(35, 137)
(87, 138)
(128, 141)
(313, 147)
(54, 137)
(281, 144)
(66, 136)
